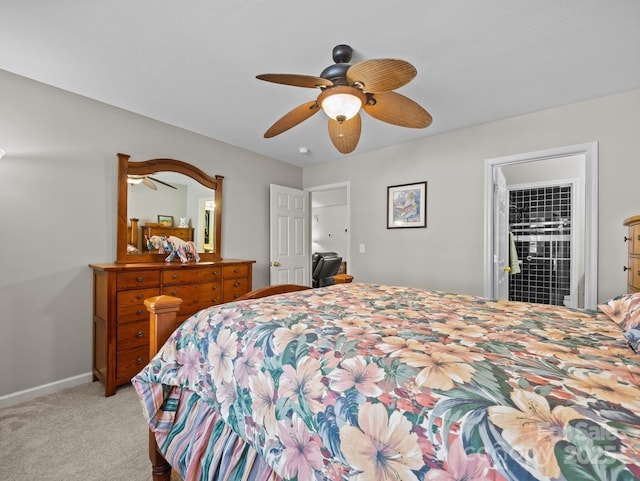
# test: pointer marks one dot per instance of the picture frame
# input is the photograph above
(407, 205)
(165, 220)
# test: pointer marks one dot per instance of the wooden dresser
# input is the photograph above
(633, 265)
(121, 321)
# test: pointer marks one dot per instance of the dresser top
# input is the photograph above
(632, 220)
(167, 265)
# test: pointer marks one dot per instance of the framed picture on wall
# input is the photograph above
(407, 205)
(166, 220)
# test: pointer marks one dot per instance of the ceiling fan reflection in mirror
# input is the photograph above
(147, 180)
(346, 89)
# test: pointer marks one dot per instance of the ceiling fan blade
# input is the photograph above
(162, 182)
(345, 135)
(148, 183)
(381, 75)
(396, 109)
(293, 118)
(307, 81)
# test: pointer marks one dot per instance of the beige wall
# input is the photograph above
(448, 254)
(57, 211)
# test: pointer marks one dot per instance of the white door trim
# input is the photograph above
(590, 151)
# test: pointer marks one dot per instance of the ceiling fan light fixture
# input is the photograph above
(341, 102)
(134, 180)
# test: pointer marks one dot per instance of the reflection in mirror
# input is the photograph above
(166, 197)
(206, 231)
(169, 211)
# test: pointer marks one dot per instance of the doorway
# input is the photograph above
(330, 222)
(547, 161)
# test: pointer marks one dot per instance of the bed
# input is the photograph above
(367, 382)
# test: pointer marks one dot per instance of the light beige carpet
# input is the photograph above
(75, 435)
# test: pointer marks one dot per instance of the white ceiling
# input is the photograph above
(193, 63)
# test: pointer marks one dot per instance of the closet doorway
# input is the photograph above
(575, 165)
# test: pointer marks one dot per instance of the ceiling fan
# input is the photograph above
(345, 89)
(147, 180)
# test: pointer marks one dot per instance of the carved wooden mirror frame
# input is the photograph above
(153, 166)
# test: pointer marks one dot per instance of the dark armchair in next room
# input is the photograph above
(324, 266)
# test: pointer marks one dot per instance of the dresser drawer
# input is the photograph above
(240, 270)
(130, 363)
(634, 272)
(634, 239)
(131, 304)
(135, 297)
(195, 296)
(234, 288)
(137, 279)
(190, 276)
(133, 334)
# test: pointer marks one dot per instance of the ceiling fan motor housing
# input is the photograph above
(337, 72)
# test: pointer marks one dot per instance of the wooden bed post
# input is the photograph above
(162, 321)
(163, 311)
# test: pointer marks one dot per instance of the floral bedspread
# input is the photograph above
(368, 383)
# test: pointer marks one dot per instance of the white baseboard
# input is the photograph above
(34, 392)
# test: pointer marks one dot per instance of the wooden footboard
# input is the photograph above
(162, 320)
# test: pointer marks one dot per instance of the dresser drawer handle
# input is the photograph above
(139, 296)
(174, 293)
(215, 273)
(139, 279)
(214, 288)
(140, 311)
(139, 361)
(139, 334)
(638, 237)
(235, 271)
(235, 296)
(236, 284)
(214, 300)
(175, 276)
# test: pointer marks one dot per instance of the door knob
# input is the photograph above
(275, 264)
(506, 269)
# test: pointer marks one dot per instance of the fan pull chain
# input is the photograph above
(340, 119)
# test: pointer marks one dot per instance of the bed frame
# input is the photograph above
(163, 322)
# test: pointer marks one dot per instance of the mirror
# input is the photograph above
(173, 182)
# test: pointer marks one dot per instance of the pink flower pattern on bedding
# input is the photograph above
(365, 382)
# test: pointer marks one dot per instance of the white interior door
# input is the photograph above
(501, 235)
(289, 236)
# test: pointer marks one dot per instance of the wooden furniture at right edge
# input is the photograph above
(633, 266)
